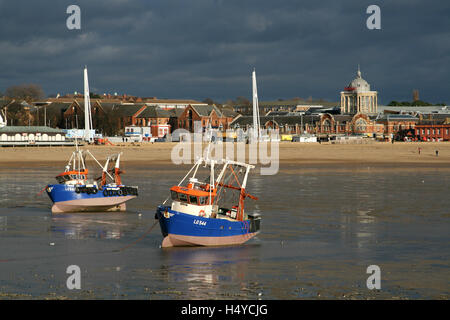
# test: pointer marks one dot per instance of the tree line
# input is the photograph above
(419, 103)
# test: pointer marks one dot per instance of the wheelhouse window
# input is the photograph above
(60, 179)
(188, 198)
(67, 177)
(193, 200)
(183, 197)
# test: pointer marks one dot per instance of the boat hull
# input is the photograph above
(66, 199)
(180, 229)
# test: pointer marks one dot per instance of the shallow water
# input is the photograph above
(322, 227)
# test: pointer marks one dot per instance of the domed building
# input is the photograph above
(357, 97)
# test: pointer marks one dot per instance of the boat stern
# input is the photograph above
(255, 222)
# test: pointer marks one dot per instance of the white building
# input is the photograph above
(31, 135)
(358, 98)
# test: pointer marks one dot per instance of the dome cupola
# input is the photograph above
(359, 84)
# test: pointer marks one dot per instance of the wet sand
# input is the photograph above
(330, 212)
(145, 154)
(321, 229)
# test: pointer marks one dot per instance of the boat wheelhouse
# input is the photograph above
(72, 177)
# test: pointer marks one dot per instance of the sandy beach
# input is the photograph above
(289, 154)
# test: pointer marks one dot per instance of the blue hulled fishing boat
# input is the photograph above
(76, 193)
(211, 212)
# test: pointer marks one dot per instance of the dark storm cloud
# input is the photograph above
(207, 48)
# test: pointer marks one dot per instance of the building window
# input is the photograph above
(439, 131)
(326, 125)
(428, 131)
(360, 125)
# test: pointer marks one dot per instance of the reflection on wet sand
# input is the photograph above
(3, 223)
(83, 226)
(206, 271)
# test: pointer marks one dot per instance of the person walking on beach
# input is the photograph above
(437, 153)
(419, 150)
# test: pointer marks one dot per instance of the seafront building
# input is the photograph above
(358, 98)
(32, 135)
(207, 116)
(358, 114)
(29, 135)
(433, 127)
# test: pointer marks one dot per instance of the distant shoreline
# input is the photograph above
(290, 154)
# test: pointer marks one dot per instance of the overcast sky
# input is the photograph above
(208, 48)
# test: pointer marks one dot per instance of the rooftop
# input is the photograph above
(154, 112)
(29, 129)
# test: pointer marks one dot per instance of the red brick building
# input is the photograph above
(395, 123)
(209, 114)
(151, 115)
(433, 132)
(73, 115)
(156, 118)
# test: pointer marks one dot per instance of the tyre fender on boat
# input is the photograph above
(105, 193)
(166, 214)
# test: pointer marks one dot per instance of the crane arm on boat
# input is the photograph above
(248, 195)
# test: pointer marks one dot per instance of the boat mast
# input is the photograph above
(256, 120)
(2, 123)
(211, 181)
(104, 168)
(117, 170)
(87, 109)
(104, 172)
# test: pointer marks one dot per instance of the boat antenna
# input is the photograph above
(76, 143)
